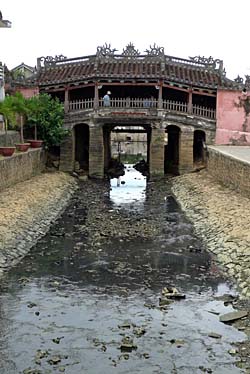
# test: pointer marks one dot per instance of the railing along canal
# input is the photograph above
(138, 103)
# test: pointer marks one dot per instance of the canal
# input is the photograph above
(86, 298)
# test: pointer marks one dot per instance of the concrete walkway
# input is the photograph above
(241, 153)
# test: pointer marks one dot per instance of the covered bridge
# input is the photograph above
(175, 101)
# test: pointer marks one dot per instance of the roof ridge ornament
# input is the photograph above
(50, 60)
(210, 62)
(238, 79)
(247, 82)
(155, 51)
(130, 52)
(105, 52)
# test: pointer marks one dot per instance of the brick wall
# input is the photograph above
(230, 171)
(21, 166)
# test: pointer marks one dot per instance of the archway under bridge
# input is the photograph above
(172, 149)
(199, 149)
(81, 148)
(126, 144)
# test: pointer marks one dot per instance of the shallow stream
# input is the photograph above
(69, 304)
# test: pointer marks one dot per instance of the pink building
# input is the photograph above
(232, 117)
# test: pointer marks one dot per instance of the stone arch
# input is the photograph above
(199, 152)
(172, 149)
(81, 147)
(125, 128)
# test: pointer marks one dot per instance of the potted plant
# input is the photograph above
(45, 115)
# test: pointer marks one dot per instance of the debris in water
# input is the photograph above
(214, 335)
(233, 316)
(172, 293)
(127, 344)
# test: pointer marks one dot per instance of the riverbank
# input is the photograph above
(221, 217)
(27, 209)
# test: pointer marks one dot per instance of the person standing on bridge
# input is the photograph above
(106, 99)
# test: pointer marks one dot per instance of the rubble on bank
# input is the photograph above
(27, 209)
(221, 217)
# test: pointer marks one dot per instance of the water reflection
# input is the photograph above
(130, 188)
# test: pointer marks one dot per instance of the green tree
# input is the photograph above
(46, 115)
(9, 115)
(19, 106)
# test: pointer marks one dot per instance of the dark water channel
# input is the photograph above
(67, 306)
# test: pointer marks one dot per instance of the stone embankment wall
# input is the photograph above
(21, 166)
(27, 210)
(229, 170)
(221, 217)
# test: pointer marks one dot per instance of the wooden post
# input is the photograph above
(190, 102)
(66, 100)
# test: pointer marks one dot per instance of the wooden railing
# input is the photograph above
(130, 103)
(175, 106)
(81, 104)
(168, 105)
(203, 112)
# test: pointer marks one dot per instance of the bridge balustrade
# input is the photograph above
(175, 106)
(134, 103)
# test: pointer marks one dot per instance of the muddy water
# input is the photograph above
(67, 306)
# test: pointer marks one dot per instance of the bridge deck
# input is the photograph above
(241, 153)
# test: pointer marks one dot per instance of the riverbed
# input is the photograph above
(96, 278)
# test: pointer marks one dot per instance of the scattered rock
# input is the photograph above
(54, 360)
(41, 354)
(139, 331)
(32, 371)
(172, 293)
(233, 316)
(214, 335)
(178, 342)
(31, 305)
(125, 325)
(57, 340)
(233, 351)
(127, 344)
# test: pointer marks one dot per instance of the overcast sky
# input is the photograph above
(218, 28)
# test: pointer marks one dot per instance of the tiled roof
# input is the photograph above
(171, 70)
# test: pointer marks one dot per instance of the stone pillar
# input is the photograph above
(186, 150)
(96, 98)
(156, 157)
(96, 151)
(190, 102)
(66, 100)
(107, 150)
(160, 103)
(67, 153)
